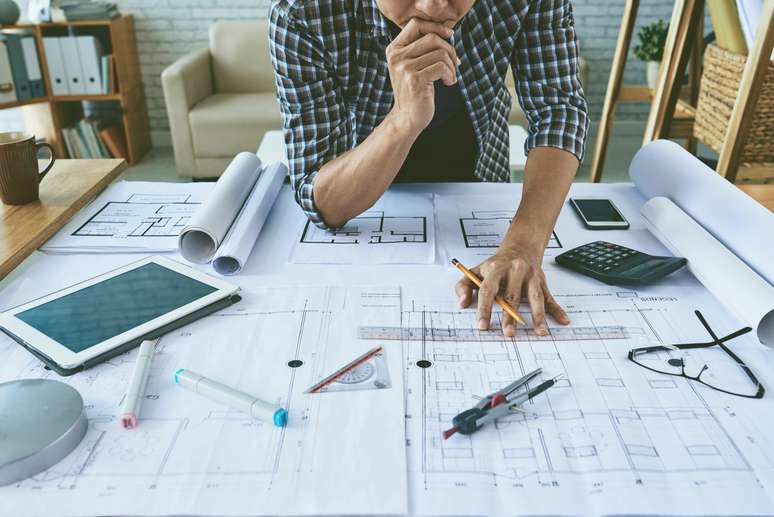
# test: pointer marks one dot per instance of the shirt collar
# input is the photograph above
(374, 19)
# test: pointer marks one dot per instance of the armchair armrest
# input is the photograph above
(185, 83)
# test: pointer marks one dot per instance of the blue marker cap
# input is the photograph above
(280, 418)
(177, 375)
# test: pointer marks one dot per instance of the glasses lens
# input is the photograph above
(711, 366)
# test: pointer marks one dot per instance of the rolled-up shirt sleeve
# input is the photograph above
(546, 69)
(315, 122)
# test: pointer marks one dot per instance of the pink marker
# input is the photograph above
(136, 392)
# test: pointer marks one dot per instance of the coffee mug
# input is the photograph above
(19, 174)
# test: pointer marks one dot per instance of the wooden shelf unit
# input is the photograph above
(46, 116)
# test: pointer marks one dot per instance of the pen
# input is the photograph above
(499, 299)
(235, 399)
(136, 392)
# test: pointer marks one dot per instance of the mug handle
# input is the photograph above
(50, 164)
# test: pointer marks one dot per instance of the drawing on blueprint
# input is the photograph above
(141, 215)
(607, 420)
(372, 227)
(272, 344)
(486, 229)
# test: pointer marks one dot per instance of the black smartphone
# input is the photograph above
(599, 213)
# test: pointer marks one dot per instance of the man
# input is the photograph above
(376, 91)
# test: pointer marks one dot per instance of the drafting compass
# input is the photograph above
(498, 404)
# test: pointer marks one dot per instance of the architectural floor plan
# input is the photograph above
(372, 227)
(182, 459)
(131, 217)
(399, 228)
(140, 216)
(486, 229)
(608, 425)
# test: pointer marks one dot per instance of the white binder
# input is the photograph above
(7, 90)
(90, 53)
(56, 70)
(72, 65)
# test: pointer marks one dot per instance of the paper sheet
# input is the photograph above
(204, 233)
(611, 439)
(471, 228)
(131, 216)
(663, 168)
(342, 452)
(732, 281)
(243, 234)
(398, 229)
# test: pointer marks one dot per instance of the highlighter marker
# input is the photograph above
(228, 396)
(136, 392)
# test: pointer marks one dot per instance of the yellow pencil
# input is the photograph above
(499, 299)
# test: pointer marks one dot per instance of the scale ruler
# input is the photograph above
(467, 334)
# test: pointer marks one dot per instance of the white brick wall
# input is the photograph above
(167, 29)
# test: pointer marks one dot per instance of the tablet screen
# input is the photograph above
(101, 311)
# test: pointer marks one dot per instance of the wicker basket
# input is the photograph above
(717, 96)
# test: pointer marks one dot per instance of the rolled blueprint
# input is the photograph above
(743, 291)
(241, 238)
(207, 228)
(663, 168)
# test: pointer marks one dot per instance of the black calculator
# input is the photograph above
(618, 265)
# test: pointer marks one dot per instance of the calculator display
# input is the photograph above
(598, 210)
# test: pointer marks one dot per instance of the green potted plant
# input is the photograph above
(651, 48)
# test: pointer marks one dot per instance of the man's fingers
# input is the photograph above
(435, 72)
(513, 297)
(508, 325)
(553, 307)
(464, 291)
(465, 287)
(429, 43)
(417, 28)
(436, 56)
(486, 296)
(537, 306)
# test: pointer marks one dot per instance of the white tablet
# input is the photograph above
(85, 324)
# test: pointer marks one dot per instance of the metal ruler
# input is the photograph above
(468, 334)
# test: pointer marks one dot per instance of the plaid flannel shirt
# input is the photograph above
(334, 88)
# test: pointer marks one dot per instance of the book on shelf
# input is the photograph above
(115, 140)
(108, 70)
(92, 138)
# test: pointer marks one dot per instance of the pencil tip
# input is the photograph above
(454, 261)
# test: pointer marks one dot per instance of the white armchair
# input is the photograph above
(221, 100)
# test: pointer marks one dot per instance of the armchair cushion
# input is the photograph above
(241, 62)
(185, 82)
(225, 124)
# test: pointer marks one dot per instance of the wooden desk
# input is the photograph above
(65, 190)
(763, 194)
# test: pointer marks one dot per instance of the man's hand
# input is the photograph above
(417, 57)
(512, 273)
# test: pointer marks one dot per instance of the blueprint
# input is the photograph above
(131, 217)
(193, 456)
(610, 438)
(471, 228)
(398, 229)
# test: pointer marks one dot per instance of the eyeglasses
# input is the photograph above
(724, 372)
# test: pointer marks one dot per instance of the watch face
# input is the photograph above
(358, 374)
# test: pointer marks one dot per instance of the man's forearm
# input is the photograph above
(350, 184)
(547, 178)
